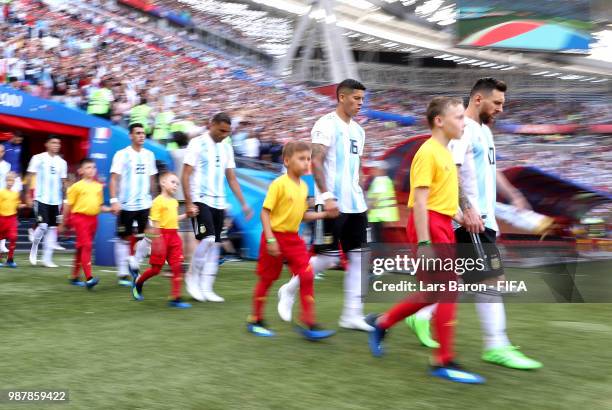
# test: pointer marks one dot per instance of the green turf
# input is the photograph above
(113, 353)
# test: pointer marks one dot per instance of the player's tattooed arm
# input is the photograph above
(464, 202)
(471, 219)
(319, 153)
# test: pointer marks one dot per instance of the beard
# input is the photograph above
(485, 118)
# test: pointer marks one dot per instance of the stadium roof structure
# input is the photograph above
(423, 28)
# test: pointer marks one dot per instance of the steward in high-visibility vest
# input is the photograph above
(184, 126)
(100, 101)
(139, 114)
(382, 203)
(161, 131)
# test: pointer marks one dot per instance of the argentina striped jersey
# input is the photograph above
(345, 143)
(209, 160)
(135, 169)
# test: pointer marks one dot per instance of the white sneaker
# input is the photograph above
(58, 247)
(355, 323)
(30, 234)
(192, 287)
(285, 303)
(211, 296)
(50, 264)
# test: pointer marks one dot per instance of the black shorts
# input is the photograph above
(347, 230)
(125, 222)
(46, 214)
(208, 222)
(466, 248)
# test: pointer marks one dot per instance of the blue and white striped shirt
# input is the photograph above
(345, 144)
(135, 169)
(50, 172)
(209, 160)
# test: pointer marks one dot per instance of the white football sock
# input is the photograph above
(212, 264)
(353, 305)
(426, 313)
(492, 314)
(122, 253)
(319, 263)
(142, 249)
(39, 234)
(49, 245)
(198, 261)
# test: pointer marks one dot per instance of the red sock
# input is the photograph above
(444, 325)
(148, 274)
(12, 240)
(133, 241)
(177, 280)
(259, 297)
(86, 260)
(77, 263)
(401, 311)
(307, 296)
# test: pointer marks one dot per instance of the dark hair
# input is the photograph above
(135, 125)
(487, 85)
(222, 117)
(86, 160)
(52, 137)
(180, 138)
(348, 84)
(438, 106)
(292, 147)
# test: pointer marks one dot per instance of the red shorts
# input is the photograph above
(85, 228)
(440, 228)
(440, 232)
(167, 247)
(293, 250)
(8, 227)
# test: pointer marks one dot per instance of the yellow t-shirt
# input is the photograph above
(164, 211)
(433, 167)
(9, 201)
(85, 197)
(286, 201)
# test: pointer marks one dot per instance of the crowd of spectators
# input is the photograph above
(66, 53)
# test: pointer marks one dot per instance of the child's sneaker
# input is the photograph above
(259, 328)
(179, 304)
(315, 332)
(90, 283)
(137, 291)
(455, 373)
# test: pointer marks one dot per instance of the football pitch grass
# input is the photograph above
(111, 352)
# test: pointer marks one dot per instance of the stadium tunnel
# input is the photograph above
(82, 135)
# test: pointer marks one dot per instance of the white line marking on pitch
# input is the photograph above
(584, 326)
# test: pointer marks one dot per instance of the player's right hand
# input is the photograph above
(191, 210)
(273, 249)
(331, 207)
(472, 222)
(116, 208)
